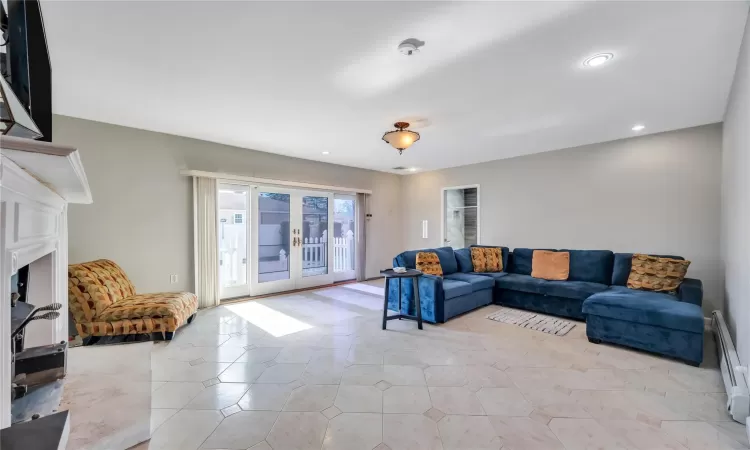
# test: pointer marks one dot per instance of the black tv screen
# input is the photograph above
(27, 66)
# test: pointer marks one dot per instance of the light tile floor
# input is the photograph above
(314, 370)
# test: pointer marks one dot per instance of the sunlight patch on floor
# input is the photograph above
(353, 298)
(269, 320)
(370, 289)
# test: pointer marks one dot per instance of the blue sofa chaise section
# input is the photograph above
(595, 291)
(458, 291)
(657, 322)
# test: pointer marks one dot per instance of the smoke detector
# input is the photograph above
(410, 46)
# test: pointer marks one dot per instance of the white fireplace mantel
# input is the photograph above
(37, 181)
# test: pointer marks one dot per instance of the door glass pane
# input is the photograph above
(273, 236)
(343, 235)
(314, 236)
(232, 235)
(461, 213)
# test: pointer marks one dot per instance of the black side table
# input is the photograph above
(389, 274)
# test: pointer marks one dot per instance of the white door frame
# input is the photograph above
(346, 275)
(442, 211)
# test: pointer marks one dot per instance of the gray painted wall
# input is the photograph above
(142, 212)
(653, 194)
(736, 203)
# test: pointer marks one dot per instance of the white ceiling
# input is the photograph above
(494, 80)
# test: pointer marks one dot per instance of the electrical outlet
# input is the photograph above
(173, 279)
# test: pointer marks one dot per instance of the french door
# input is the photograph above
(288, 242)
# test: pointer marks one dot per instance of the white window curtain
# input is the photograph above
(206, 248)
(361, 248)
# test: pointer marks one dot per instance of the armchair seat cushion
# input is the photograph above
(645, 307)
(161, 312)
(477, 282)
(178, 305)
(579, 290)
(455, 288)
(523, 283)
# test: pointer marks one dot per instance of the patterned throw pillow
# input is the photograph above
(652, 273)
(429, 264)
(487, 259)
(549, 265)
(494, 258)
(478, 260)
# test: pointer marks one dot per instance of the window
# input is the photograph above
(238, 219)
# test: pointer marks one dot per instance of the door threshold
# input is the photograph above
(276, 294)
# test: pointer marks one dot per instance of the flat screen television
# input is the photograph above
(27, 66)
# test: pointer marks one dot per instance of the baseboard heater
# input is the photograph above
(735, 382)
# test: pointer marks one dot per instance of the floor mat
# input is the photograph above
(533, 321)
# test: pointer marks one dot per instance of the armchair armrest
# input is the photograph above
(430, 297)
(691, 291)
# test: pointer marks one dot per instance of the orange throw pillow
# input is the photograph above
(478, 260)
(429, 264)
(487, 259)
(549, 265)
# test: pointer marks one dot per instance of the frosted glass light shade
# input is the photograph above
(401, 138)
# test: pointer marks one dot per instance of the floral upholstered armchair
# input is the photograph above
(103, 302)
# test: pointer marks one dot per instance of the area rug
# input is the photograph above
(533, 321)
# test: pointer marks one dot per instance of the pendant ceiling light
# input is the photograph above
(401, 138)
(14, 120)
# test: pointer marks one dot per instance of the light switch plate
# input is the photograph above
(424, 229)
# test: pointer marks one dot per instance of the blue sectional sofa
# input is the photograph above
(595, 291)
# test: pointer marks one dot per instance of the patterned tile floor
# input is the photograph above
(314, 370)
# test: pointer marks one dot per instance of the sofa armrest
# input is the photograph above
(431, 297)
(691, 291)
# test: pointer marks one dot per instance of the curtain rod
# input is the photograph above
(271, 182)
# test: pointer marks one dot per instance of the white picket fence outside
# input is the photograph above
(343, 253)
(315, 253)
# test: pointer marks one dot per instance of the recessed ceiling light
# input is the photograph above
(412, 169)
(598, 59)
(638, 127)
(326, 153)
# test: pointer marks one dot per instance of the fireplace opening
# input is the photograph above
(38, 363)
